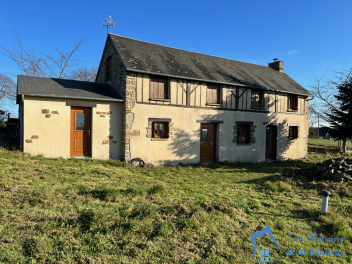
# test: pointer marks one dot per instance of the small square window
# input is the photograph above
(292, 102)
(108, 68)
(213, 93)
(160, 130)
(257, 99)
(243, 133)
(293, 131)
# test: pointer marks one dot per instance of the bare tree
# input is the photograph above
(7, 87)
(324, 90)
(84, 74)
(39, 64)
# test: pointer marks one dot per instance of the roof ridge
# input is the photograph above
(190, 51)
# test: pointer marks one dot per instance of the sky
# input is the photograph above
(311, 37)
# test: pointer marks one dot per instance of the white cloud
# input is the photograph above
(292, 52)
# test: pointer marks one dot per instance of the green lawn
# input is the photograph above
(325, 143)
(92, 211)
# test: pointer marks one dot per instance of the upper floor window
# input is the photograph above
(108, 68)
(292, 102)
(159, 88)
(257, 99)
(293, 131)
(213, 93)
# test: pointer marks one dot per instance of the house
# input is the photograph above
(166, 106)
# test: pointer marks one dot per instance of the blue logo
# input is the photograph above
(264, 254)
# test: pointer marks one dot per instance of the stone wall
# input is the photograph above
(118, 79)
(128, 116)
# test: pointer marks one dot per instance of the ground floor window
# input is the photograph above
(293, 131)
(243, 133)
(160, 129)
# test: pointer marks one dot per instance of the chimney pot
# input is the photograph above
(277, 65)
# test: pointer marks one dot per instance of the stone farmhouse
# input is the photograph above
(166, 105)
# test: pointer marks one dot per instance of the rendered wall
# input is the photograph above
(184, 142)
(49, 135)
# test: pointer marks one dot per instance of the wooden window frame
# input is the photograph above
(210, 100)
(261, 99)
(108, 69)
(158, 129)
(293, 132)
(239, 133)
(166, 95)
(292, 102)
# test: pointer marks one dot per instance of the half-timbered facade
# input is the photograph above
(182, 106)
(166, 106)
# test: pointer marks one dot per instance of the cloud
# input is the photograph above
(291, 52)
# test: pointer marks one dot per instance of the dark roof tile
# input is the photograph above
(42, 86)
(141, 56)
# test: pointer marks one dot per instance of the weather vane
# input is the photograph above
(108, 24)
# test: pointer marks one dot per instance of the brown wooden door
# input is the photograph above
(81, 130)
(271, 141)
(207, 143)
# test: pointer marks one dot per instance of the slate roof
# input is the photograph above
(141, 56)
(53, 87)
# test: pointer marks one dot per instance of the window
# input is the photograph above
(292, 102)
(160, 129)
(293, 131)
(108, 68)
(159, 88)
(257, 99)
(243, 133)
(213, 94)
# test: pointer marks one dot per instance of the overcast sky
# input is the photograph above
(311, 37)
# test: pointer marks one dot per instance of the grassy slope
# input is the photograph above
(323, 143)
(90, 211)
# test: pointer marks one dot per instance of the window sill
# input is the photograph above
(212, 104)
(243, 144)
(258, 108)
(159, 139)
(290, 110)
(159, 99)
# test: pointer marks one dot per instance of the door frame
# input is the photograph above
(72, 123)
(274, 142)
(213, 136)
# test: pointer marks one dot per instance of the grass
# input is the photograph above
(94, 211)
(325, 143)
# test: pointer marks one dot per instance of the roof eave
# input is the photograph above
(72, 97)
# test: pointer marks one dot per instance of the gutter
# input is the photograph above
(312, 98)
(71, 97)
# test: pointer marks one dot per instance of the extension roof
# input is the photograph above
(145, 57)
(61, 88)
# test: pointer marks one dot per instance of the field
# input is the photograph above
(325, 143)
(92, 211)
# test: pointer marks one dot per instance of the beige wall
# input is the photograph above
(184, 145)
(54, 132)
(184, 142)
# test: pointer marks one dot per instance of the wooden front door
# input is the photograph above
(271, 141)
(207, 143)
(81, 130)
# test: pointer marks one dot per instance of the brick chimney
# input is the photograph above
(277, 65)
